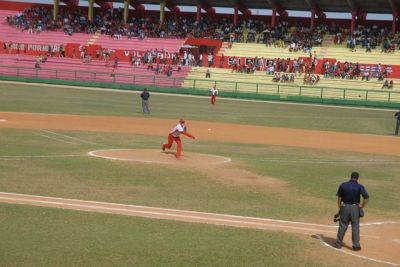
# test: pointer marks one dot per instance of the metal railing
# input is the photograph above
(287, 90)
(160, 80)
(228, 88)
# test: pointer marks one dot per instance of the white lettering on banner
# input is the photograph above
(139, 54)
(35, 47)
(374, 68)
(234, 60)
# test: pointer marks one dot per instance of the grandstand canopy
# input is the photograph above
(370, 6)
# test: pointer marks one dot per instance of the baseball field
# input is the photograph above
(83, 181)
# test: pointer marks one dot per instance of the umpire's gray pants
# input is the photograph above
(145, 106)
(349, 214)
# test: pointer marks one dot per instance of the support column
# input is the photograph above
(235, 14)
(55, 9)
(395, 15)
(198, 13)
(162, 11)
(273, 22)
(312, 22)
(353, 21)
(126, 10)
(90, 10)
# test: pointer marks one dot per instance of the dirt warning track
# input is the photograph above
(379, 246)
(219, 132)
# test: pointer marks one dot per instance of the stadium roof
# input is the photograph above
(370, 6)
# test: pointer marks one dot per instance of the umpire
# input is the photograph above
(397, 115)
(145, 95)
(350, 209)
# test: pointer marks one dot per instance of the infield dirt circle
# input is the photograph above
(157, 156)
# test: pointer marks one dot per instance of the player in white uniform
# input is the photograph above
(214, 93)
(174, 136)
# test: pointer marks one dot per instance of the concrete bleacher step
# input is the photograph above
(171, 45)
(328, 40)
(75, 69)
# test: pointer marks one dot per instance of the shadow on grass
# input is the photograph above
(329, 240)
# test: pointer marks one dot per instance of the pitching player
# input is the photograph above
(214, 93)
(174, 136)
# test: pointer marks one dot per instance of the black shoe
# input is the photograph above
(337, 246)
(356, 248)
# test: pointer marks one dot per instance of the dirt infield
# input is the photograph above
(219, 132)
(227, 171)
(381, 241)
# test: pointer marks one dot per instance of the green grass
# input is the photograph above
(49, 237)
(21, 98)
(35, 236)
(311, 191)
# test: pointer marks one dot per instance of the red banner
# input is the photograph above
(29, 49)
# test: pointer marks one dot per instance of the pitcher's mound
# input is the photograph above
(157, 156)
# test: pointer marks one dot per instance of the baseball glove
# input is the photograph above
(336, 217)
(361, 213)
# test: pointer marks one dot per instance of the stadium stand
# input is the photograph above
(11, 34)
(260, 82)
(341, 54)
(172, 45)
(99, 71)
(225, 75)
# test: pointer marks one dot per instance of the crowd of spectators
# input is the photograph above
(110, 22)
(368, 38)
(285, 70)
(353, 71)
(296, 37)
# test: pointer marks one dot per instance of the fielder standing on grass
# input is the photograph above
(214, 93)
(350, 210)
(174, 136)
(397, 115)
(145, 95)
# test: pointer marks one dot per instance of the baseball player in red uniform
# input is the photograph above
(174, 136)
(214, 93)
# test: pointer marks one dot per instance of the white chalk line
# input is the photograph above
(93, 154)
(54, 138)
(38, 156)
(321, 161)
(322, 240)
(1, 120)
(172, 215)
(197, 212)
(74, 138)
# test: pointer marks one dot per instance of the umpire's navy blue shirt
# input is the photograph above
(145, 95)
(350, 192)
